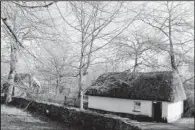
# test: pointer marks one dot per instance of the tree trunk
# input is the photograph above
(171, 53)
(13, 92)
(57, 86)
(135, 65)
(81, 67)
(12, 72)
(80, 84)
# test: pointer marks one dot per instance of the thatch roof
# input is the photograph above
(158, 86)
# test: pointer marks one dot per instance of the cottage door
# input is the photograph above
(157, 111)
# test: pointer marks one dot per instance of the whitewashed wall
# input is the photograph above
(165, 109)
(119, 105)
(172, 111)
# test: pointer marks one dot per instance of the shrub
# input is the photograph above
(189, 104)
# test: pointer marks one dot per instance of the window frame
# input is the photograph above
(137, 108)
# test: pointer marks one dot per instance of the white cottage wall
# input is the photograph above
(165, 109)
(119, 105)
(175, 111)
(172, 111)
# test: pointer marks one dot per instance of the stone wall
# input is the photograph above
(84, 120)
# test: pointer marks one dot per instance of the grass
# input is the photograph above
(16, 119)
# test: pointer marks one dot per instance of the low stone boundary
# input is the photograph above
(85, 120)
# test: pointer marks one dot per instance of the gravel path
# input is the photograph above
(181, 124)
(16, 119)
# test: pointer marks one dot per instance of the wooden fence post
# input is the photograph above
(81, 101)
(64, 100)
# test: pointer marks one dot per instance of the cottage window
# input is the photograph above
(137, 106)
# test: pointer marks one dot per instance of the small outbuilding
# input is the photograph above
(157, 95)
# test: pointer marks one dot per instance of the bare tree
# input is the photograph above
(132, 47)
(91, 25)
(13, 60)
(11, 17)
(170, 18)
(59, 67)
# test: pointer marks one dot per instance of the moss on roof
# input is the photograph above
(158, 86)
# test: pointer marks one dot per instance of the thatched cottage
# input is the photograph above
(157, 95)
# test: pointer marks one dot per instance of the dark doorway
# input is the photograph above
(157, 111)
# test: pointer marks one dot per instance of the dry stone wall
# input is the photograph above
(84, 120)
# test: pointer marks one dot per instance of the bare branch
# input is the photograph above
(11, 31)
(33, 7)
(188, 80)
